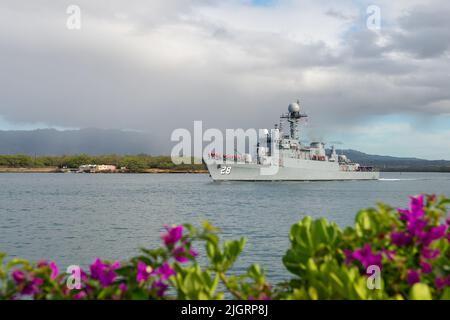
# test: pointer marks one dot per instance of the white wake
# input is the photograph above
(395, 179)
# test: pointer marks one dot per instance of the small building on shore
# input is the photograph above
(106, 168)
(94, 168)
(87, 168)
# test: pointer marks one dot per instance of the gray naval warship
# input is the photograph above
(284, 157)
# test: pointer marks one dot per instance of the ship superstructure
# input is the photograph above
(281, 156)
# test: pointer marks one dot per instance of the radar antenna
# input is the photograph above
(293, 117)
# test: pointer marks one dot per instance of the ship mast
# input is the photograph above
(293, 116)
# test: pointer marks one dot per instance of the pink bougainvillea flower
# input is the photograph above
(426, 267)
(104, 272)
(165, 271)
(18, 276)
(434, 233)
(123, 287)
(173, 235)
(143, 272)
(55, 271)
(441, 282)
(366, 257)
(390, 254)
(31, 283)
(417, 224)
(348, 256)
(80, 295)
(429, 253)
(400, 239)
(416, 205)
(83, 275)
(179, 254)
(438, 232)
(181, 259)
(52, 265)
(32, 287)
(404, 214)
(160, 287)
(193, 253)
(416, 227)
(413, 277)
(97, 268)
(415, 210)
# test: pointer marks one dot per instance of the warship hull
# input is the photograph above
(304, 170)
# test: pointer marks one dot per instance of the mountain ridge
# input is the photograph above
(114, 141)
(90, 140)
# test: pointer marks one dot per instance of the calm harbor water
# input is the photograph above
(73, 218)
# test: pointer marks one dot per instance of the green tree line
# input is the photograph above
(134, 163)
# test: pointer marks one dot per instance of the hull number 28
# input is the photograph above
(225, 170)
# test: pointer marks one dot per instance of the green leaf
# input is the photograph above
(446, 294)
(139, 294)
(16, 261)
(310, 239)
(313, 294)
(209, 227)
(364, 222)
(420, 291)
(210, 250)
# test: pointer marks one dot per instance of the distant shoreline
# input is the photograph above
(142, 163)
(58, 170)
(160, 171)
(29, 170)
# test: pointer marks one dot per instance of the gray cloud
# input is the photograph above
(159, 65)
(425, 31)
(332, 12)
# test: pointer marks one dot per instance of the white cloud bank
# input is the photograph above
(159, 65)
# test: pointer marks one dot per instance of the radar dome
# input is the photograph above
(294, 107)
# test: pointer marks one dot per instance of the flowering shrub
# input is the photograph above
(409, 246)
(388, 254)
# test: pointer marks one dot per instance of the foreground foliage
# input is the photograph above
(406, 248)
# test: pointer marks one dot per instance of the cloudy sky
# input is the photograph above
(159, 65)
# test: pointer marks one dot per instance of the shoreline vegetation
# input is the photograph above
(388, 254)
(59, 170)
(143, 163)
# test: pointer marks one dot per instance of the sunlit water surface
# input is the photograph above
(73, 218)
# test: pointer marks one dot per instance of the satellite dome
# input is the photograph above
(294, 107)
